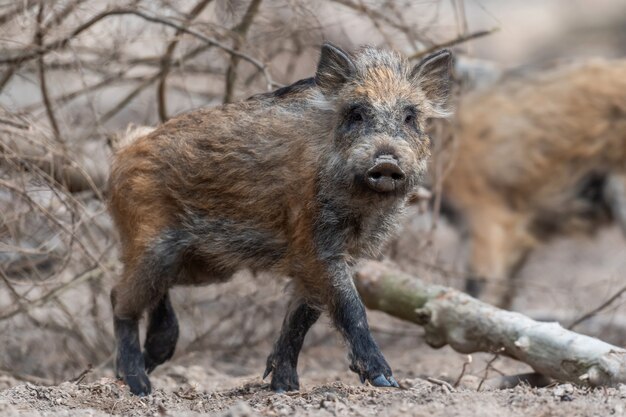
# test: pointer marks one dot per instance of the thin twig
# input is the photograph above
(441, 382)
(166, 60)
(598, 309)
(21, 8)
(465, 365)
(453, 42)
(489, 366)
(362, 8)
(79, 378)
(39, 35)
(60, 43)
(241, 30)
(91, 273)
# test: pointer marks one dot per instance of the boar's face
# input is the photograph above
(381, 105)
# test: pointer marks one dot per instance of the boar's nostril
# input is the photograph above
(385, 175)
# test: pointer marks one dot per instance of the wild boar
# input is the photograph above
(301, 181)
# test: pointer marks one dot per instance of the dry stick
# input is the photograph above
(94, 272)
(453, 42)
(141, 87)
(362, 8)
(67, 97)
(78, 379)
(487, 367)
(241, 30)
(146, 83)
(57, 20)
(598, 309)
(166, 60)
(441, 383)
(50, 217)
(463, 370)
(6, 77)
(410, 36)
(377, 25)
(39, 35)
(450, 317)
(14, 124)
(60, 43)
(129, 97)
(59, 167)
(22, 7)
(112, 78)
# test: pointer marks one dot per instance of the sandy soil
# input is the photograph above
(229, 384)
(194, 391)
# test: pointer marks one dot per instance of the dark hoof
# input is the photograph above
(382, 381)
(376, 371)
(139, 384)
(282, 386)
(284, 377)
(150, 364)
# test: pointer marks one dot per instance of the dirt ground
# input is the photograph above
(227, 382)
(327, 389)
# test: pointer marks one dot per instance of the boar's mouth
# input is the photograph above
(385, 176)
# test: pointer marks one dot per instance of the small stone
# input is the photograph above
(331, 396)
(564, 392)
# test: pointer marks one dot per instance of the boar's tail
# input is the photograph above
(122, 139)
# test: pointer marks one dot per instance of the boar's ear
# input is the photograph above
(334, 69)
(433, 77)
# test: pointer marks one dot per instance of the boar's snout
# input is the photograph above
(386, 175)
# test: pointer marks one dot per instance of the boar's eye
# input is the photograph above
(409, 116)
(354, 116)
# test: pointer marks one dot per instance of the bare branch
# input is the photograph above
(241, 30)
(452, 42)
(58, 44)
(39, 36)
(598, 309)
(92, 273)
(166, 60)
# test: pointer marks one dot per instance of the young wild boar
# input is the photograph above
(537, 156)
(300, 181)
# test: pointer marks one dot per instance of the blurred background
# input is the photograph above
(76, 73)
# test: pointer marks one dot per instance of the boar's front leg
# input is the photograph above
(283, 360)
(348, 314)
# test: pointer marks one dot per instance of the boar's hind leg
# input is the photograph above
(144, 286)
(129, 362)
(162, 334)
(283, 360)
(348, 313)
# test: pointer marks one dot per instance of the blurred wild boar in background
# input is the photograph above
(536, 156)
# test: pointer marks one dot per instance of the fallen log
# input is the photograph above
(468, 325)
